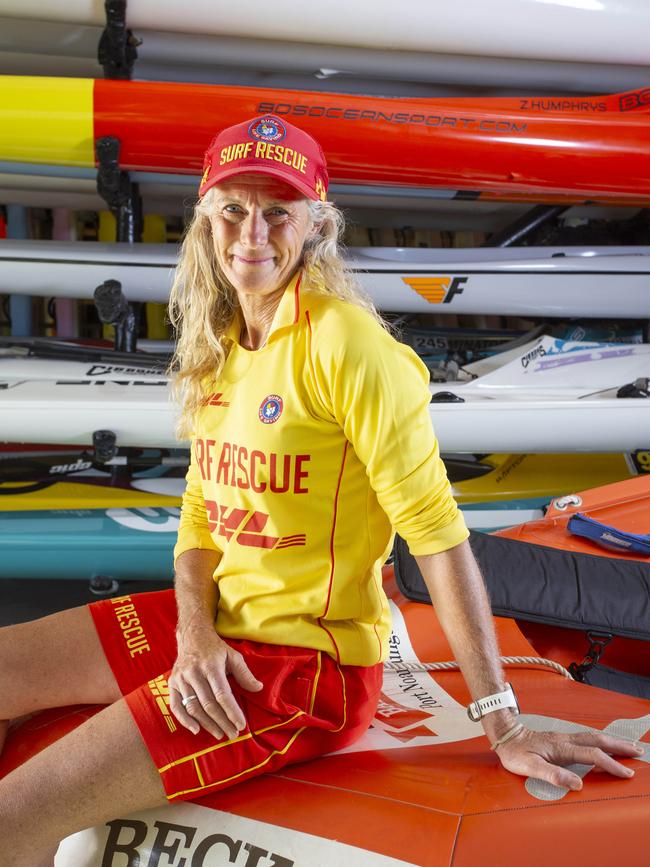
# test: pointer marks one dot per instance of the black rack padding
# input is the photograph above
(547, 585)
(618, 681)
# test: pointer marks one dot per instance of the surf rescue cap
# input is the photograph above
(270, 146)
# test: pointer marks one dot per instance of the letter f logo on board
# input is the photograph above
(436, 290)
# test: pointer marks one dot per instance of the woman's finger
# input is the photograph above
(226, 705)
(207, 708)
(180, 711)
(608, 743)
(572, 753)
(242, 673)
(532, 765)
(201, 716)
(188, 702)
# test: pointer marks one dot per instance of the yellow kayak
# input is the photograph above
(30, 496)
(529, 476)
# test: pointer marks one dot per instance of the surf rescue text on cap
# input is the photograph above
(271, 146)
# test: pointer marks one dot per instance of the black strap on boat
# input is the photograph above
(117, 49)
(104, 445)
(638, 388)
(446, 397)
(598, 641)
(120, 194)
(113, 309)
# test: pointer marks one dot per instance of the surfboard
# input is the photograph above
(606, 32)
(528, 281)
(489, 144)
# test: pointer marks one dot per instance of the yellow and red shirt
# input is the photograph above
(307, 456)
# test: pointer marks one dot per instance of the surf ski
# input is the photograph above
(526, 281)
(492, 144)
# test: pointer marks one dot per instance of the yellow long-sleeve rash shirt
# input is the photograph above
(307, 456)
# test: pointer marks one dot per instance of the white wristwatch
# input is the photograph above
(498, 701)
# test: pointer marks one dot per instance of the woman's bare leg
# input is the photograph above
(47, 860)
(53, 662)
(100, 770)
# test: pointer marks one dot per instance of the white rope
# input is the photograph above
(451, 666)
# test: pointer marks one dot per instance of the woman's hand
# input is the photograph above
(542, 755)
(199, 674)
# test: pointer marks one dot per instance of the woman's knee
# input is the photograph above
(54, 661)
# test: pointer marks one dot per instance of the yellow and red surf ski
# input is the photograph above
(543, 148)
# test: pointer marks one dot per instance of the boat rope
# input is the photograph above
(505, 660)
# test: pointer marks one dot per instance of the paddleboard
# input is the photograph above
(422, 764)
(500, 491)
(527, 281)
(609, 31)
(544, 425)
(140, 413)
(542, 476)
(544, 393)
(132, 543)
(549, 367)
(493, 143)
(42, 369)
(85, 494)
(518, 487)
(578, 595)
(135, 542)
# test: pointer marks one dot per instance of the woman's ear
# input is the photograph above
(314, 230)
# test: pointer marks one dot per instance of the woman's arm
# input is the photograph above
(458, 593)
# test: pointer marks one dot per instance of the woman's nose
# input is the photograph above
(254, 229)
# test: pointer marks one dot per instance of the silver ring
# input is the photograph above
(185, 701)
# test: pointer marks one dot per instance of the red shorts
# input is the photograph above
(309, 705)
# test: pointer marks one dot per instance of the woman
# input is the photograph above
(311, 443)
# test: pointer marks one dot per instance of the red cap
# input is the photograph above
(270, 146)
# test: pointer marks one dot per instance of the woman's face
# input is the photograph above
(259, 229)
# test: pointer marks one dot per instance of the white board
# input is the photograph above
(527, 281)
(606, 31)
(141, 414)
(62, 48)
(552, 368)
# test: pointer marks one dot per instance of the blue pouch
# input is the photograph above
(607, 536)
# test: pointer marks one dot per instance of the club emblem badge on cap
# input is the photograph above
(271, 146)
(267, 129)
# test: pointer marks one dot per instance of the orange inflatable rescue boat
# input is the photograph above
(422, 786)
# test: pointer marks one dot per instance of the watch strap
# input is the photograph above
(498, 701)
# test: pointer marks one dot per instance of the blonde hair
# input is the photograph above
(202, 301)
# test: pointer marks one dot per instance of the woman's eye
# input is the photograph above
(276, 214)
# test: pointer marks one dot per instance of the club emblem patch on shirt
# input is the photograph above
(270, 409)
